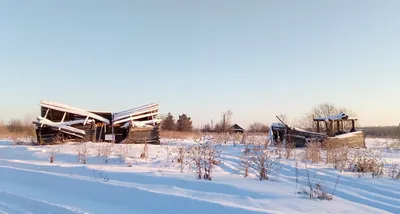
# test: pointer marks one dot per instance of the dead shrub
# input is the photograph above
(279, 148)
(262, 161)
(337, 154)
(124, 153)
(246, 160)
(105, 150)
(394, 171)
(53, 152)
(289, 147)
(366, 161)
(312, 187)
(182, 154)
(203, 156)
(82, 152)
(145, 153)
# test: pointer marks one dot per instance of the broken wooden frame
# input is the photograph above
(330, 121)
(281, 132)
(60, 121)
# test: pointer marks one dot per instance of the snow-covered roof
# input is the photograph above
(72, 110)
(340, 116)
(280, 125)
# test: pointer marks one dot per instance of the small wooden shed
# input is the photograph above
(236, 129)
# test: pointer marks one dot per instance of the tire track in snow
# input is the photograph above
(13, 203)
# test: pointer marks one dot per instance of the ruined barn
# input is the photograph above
(335, 127)
(333, 132)
(59, 122)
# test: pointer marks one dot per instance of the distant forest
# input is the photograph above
(382, 131)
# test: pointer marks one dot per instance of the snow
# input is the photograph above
(30, 184)
(135, 111)
(349, 134)
(339, 116)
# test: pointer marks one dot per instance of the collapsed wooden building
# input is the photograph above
(333, 133)
(60, 122)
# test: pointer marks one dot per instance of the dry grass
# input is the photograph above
(181, 135)
(24, 133)
(337, 153)
(313, 152)
(3, 130)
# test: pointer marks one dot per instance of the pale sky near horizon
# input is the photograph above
(257, 58)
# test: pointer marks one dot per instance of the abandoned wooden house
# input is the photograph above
(236, 129)
(60, 122)
(281, 132)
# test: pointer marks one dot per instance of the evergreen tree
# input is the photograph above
(184, 123)
(168, 123)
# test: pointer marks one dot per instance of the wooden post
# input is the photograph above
(332, 129)
(338, 126)
(112, 130)
(318, 126)
(94, 129)
(353, 125)
(342, 125)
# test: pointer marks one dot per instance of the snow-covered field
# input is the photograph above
(29, 183)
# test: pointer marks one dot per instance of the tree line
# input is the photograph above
(184, 124)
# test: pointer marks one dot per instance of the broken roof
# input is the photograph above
(340, 116)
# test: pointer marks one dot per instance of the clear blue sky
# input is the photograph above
(257, 58)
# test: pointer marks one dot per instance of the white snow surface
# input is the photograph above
(30, 184)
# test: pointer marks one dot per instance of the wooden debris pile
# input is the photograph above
(59, 122)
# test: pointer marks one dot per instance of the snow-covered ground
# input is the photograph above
(29, 183)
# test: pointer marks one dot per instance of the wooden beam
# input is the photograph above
(338, 126)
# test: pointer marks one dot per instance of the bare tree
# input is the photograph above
(321, 110)
(258, 127)
(225, 123)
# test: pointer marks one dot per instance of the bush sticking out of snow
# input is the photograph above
(53, 152)
(312, 187)
(289, 147)
(182, 153)
(313, 152)
(145, 153)
(262, 161)
(82, 151)
(203, 156)
(125, 154)
(337, 155)
(366, 161)
(394, 171)
(246, 160)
